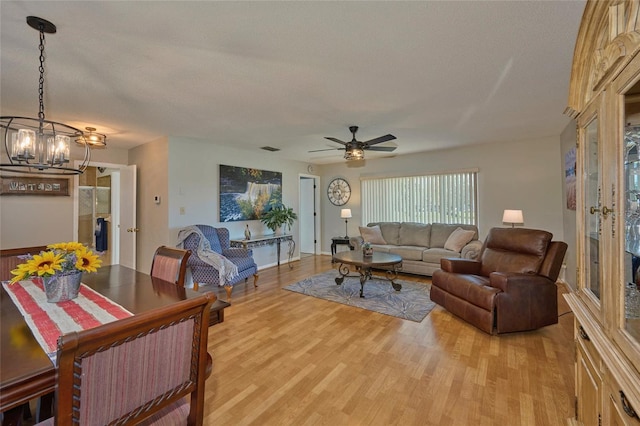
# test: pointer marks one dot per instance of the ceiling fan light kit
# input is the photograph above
(38, 145)
(354, 154)
(354, 150)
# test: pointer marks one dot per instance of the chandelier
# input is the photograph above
(93, 139)
(38, 145)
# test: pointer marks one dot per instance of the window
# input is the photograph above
(436, 198)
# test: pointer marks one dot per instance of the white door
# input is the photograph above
(127, 229)
(307, 214)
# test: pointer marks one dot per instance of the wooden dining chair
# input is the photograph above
(170, 264)
(146, 369)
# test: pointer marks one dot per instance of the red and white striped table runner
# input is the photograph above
(48, 321)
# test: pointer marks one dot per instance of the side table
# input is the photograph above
(335, 241)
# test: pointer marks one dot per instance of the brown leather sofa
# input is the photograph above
(510, 287)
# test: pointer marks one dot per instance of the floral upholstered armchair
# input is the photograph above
(213, 260)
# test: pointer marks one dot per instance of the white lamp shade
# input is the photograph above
(512, 216)
(345, 213)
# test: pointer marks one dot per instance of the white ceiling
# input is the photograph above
(286, 74)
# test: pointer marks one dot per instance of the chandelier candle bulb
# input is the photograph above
(24, 144)
(59, 149)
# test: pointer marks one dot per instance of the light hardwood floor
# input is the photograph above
(282, 358)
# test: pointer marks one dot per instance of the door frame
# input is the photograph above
(115, 207)
(317, 225)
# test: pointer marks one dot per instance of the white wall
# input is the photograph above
(193, 186)
(152, 219)
(36, 220)
(522, 175)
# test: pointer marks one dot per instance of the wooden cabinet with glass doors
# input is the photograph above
(604, 99)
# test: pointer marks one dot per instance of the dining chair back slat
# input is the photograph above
(170, 264)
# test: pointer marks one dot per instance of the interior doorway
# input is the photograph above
(105, 202)
(308, 217)
(95, 211)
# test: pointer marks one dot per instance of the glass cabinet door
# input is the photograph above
(591, 216)
(625, 256)
(630, 151)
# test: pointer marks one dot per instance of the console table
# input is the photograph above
(264, 240)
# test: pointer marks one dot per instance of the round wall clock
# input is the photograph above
(339, 192)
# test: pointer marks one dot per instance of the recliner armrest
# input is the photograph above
(512, 281)
(460, 266)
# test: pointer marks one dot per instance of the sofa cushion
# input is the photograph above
(390, 231)
(458, 239)
(414, 234)
(381, 248)
(372, 235)
(440, 232)
(433, 255)
(407, 252)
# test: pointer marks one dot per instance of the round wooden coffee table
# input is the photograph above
(390, 263)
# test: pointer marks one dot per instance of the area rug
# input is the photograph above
(411, 303)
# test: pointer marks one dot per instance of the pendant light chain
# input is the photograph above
(41, 86)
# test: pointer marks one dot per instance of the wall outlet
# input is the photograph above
(181, 210)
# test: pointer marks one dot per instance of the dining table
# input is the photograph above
(26, 372)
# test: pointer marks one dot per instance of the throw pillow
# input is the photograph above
(372, 235)
(458, 239)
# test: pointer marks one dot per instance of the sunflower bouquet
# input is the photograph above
(59, 259)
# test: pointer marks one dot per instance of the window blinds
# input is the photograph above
(436, 198)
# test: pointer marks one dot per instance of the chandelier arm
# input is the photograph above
(6, 139)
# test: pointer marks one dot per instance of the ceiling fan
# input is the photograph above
(354, 150)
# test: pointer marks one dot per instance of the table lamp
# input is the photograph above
(345, 214)
(513, 217)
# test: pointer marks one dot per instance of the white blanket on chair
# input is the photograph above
(227, 270)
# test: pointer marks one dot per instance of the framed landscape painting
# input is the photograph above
(245, 194)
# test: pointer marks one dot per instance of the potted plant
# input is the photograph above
(278, 216)
(60, 267)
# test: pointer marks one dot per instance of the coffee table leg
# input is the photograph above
(363, 278)
(365, 274)
(343, 270)
(391, 276)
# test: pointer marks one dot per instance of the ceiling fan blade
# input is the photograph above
(327, 149)
(381, 139)
(336, 140)
(381, 148)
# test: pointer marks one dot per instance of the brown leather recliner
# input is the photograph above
(511, 287)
